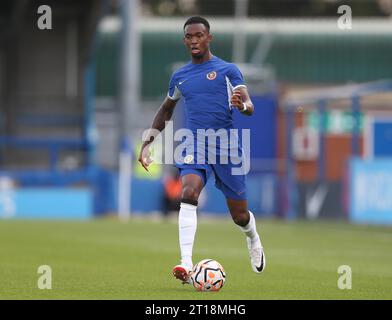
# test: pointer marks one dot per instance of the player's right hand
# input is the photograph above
(145, 157)
(236, 100)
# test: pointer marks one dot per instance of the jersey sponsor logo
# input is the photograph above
(211, 75)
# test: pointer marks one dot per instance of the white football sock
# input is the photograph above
(250, 228)
(187, 224)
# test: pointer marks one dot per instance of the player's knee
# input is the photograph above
(189, 192)
(241, 218)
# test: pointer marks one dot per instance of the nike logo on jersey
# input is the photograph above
(180, 83)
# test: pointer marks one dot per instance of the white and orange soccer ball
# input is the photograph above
(208, 275)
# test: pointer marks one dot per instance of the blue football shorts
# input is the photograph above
(232, 186)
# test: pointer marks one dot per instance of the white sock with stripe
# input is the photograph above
(250, 229)
(187, 224)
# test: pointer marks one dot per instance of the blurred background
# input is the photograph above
(76, 97)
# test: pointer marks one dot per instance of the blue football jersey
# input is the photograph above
(206, 89)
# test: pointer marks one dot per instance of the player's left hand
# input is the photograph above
(236, 100)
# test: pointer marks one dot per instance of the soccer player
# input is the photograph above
(211, 89)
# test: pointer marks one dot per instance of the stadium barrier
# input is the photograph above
(370, 187)
(335, 191)
(43, 203)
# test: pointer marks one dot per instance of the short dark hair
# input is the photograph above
(197, 19)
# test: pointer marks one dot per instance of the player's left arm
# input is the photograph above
(241, 100)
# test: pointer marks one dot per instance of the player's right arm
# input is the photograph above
(163, 114)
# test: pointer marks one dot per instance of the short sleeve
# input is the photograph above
(174, 93)
(235, 77)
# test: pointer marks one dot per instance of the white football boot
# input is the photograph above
(256, 254)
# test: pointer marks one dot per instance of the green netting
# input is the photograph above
(302, 59)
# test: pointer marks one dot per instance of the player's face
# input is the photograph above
(197, 39)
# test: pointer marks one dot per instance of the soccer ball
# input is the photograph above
(208, 275)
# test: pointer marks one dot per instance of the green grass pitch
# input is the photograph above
(107, 259)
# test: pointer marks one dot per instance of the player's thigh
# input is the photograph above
(233, 186)
(192, 185)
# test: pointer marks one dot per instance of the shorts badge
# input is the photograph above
(188, 159)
